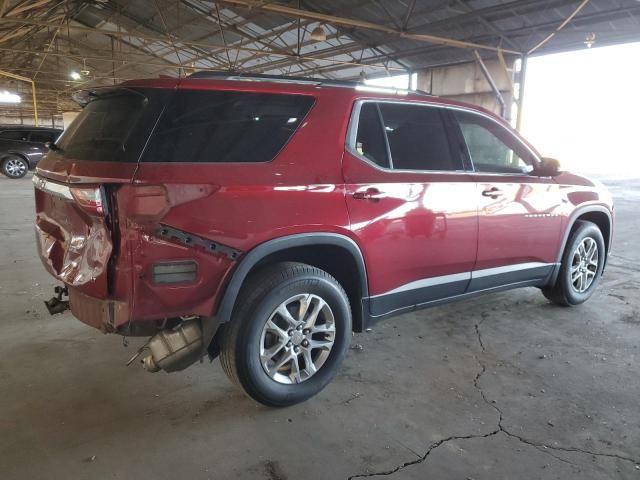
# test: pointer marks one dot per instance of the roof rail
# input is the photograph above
(257, 77)
(229, 75)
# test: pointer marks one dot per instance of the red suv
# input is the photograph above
(265, 219)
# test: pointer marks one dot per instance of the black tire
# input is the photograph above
(14, 166)
(240, 339)
(564, 292)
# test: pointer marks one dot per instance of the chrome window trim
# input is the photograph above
(352, 132)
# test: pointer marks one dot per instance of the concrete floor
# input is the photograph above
(504, 386)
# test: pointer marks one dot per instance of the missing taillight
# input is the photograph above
(91, 200)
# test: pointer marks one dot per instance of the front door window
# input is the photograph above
(492, 148)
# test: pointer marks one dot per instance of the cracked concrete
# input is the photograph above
(502, 386)
(500, 429)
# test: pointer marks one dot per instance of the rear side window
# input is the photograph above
(13, 135)
(226, 126)
(418, 138)
(42, 137)
(370, 141)
(114, 126)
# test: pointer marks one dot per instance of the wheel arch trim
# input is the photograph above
(252, 257)
(10, 153)
(578, 212)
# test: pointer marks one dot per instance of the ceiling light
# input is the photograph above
(7, 97)
(318, 34)
(75, 76)
(590, 39)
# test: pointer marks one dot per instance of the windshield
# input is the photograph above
(113, 126)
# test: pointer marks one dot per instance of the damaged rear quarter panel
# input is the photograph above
(141, 209)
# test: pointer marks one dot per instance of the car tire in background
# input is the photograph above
(289, 333)
(581, 267)
(14, 166)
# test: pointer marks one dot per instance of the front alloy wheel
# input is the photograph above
(15, 167)
(581, 267)
(584, 265)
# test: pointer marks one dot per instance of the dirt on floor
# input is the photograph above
(502, 386)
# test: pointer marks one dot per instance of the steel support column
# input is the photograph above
(33, 90)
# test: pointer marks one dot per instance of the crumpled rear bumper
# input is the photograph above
(74, 257)
(105, 315)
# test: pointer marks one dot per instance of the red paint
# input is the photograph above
(411, 226)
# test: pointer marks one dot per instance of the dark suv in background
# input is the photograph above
(21, 148)
(265, 219)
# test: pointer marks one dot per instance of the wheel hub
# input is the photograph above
(297, 338)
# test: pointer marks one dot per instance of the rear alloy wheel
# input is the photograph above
(297, 339)
(14, 167)
(581, 268)
(289, 334)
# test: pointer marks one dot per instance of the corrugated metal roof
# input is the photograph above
(119, 39)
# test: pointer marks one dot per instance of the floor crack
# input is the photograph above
(426, 455)
(540, 446)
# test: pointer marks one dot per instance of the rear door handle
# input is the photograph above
(493, 192)
(371, 194)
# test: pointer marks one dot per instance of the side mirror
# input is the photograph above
(549, 167)
(47, 145)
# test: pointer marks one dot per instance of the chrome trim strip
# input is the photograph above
(460, 277)
(429, 282)
(53, 188)
(487, 272)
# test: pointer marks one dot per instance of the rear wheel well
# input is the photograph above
(601, 220)
(13, 154)
(336, 261)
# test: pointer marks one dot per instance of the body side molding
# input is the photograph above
(449, 299)
(434, 290)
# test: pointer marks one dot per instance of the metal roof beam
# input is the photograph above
(125, 34)
(284, 10)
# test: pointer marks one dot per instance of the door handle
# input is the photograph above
(493, 192)
(371, 194)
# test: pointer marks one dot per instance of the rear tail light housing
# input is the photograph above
(90, 199)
